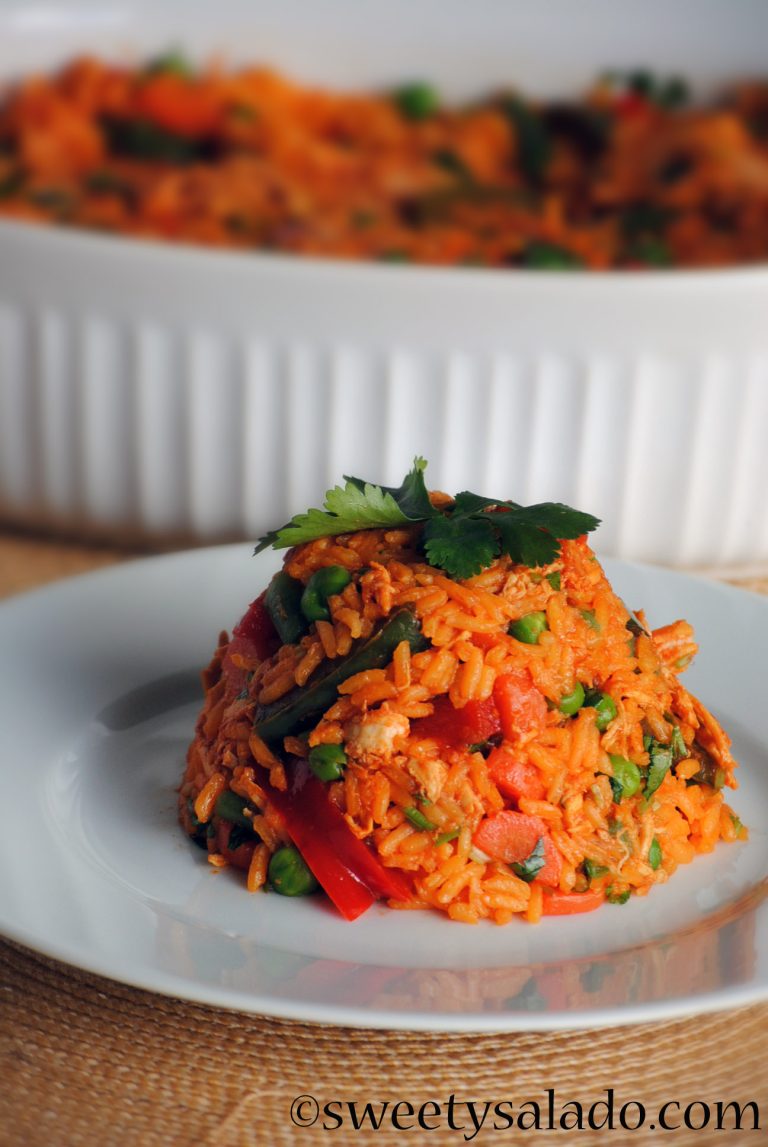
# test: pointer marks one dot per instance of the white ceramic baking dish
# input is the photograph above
(160, 391)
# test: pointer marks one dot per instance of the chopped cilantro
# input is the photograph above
(529, 868)
(591, 620)
(592, 870)
(617, 897)
(661, 762)
(462, 539)
(616, 828)
(654, 854)
(240, 834)
(485, 747)
(554, 579)
(679, 748)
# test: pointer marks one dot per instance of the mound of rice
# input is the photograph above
(533, 752)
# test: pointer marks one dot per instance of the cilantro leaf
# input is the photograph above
(525, 543)
(463, 539)
(468, 503)
(529, 868)
(370, 506)
(561, 521)
(358, 505)
(411, 496)
(346, 509)
(460, 546)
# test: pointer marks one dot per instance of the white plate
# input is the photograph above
(99, 690)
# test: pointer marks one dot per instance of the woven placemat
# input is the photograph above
(85, 1061)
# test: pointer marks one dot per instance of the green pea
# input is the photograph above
(572, 702)
(417, 101)
(288, 873)
(323, 584)
(654, 854)
(327, 762)
(529, 627)
(627, 774)
(605, 709)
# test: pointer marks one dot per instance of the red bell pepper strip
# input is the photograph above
(569, 903)
(347, 870)
(474, 723)
(254, 638)
(256, 630)
(522, 708)
(512, 836)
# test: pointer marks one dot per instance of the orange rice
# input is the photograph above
(628, 176)
(602, 844)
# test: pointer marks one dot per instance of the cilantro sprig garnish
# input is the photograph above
(462, 538)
